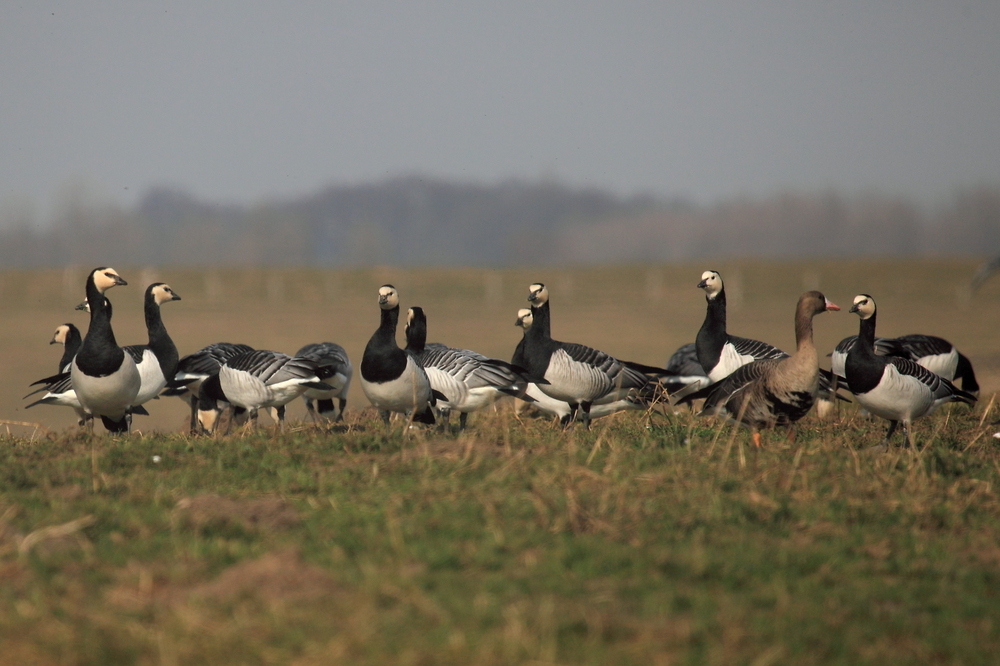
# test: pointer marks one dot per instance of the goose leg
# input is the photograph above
(384, 413)
(574, 410)
(280, 414)
(906, 435)
(756, 438)
(194, 413)
(585, 408)
(892, 429)
(343, 406)
(462, 418)
(311, 411)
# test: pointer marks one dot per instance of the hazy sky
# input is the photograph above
(241, 101)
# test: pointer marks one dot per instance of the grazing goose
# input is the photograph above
(896, 389)
(685, 368)
(392, 379)
(265, 379)
(773, 391)
(339, 371)
(198, 366)
(469, 381)
(156, 360)
(560, 408)
(104, 377)
(577, 374)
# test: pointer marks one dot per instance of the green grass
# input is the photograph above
(676, 543)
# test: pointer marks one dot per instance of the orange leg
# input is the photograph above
(756, 439)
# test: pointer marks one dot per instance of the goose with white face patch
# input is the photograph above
(264, 379)
(469, 381)
(104, 377)
(195, 368)
(774, 391)
(59, 388)
(577, 374)
(896, 389)
(560, 408)
(157, 359)
(337, 372)
(392, 379)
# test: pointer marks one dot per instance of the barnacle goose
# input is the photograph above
(339, 371)
(196, 367)
(896, 389)
(157, 359)
(104, 377)
(392, 379)
(575, 373)
(468, 380)
(560, 408)
(267, 379)
(773, 391)
(720, 353)
(59, 388)
(69, 337)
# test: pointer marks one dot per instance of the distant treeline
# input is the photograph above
(415, 221)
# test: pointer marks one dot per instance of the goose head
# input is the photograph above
(162, 293)
(538, 294)
(104, 278)
(864, 306)
(414, 317)
(62, 332)
(711, 282)
(813, 303)
(524, 318)
(388, 298)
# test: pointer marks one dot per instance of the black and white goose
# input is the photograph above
(338, 372)
(773, 391)
(468, 380)
(157, 359)
(263, 379)
(893, 388)
(392, 379)
(59, 389)
(104, 377)
(560, 408)
(684, 366)
(577, 374)
(196, 367)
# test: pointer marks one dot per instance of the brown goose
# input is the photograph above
(772, 392)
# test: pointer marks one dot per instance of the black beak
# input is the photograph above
(702, 284)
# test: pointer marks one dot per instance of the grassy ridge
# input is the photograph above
(672, 543)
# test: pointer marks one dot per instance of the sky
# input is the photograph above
(240, 102)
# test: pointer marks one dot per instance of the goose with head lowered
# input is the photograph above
(263, 379)
(392, 379)
(468, 381)
(194, 368)
(104, 376)
(338, 372)
(577, 374)
(896, 389)
(773, 391)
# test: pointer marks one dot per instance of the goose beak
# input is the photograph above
(119, 281)
(831, 306)
(175, 296)
(702, 284)
(83, 306)
(854, 308)
(517, 322)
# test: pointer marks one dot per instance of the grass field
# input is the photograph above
(648, 541)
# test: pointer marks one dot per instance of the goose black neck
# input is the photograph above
(416, 332)
(99, 353)
(159, 341)
(866, 336)
(71, 346)
(712, 335)
(538, 343)
(383, 360)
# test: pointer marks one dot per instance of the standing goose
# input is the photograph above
(59, 388)
(338, 372)
(469, 381)
(575, 373)
(156, 360)
(720, 353)
(69, 337)
(773, 391)
(267, 379)
(560, 408)
(195, 368)
(896, 389)
(392, 379)
(104, 376)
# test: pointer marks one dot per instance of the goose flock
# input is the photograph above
(749, 383)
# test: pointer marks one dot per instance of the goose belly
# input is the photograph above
(110, 395)
(547, 404)
(574, 382)
(409, 391)
(944, 365)
(729, 361)
(897, 397)
(284, 392)
(243, 389)
(151, 378)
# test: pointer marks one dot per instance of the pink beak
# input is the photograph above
(831, 306)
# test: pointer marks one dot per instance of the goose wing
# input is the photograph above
(940, 388)
(755, 348)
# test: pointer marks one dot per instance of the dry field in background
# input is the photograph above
(640, 313)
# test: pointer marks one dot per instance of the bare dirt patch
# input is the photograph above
(259, 514)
